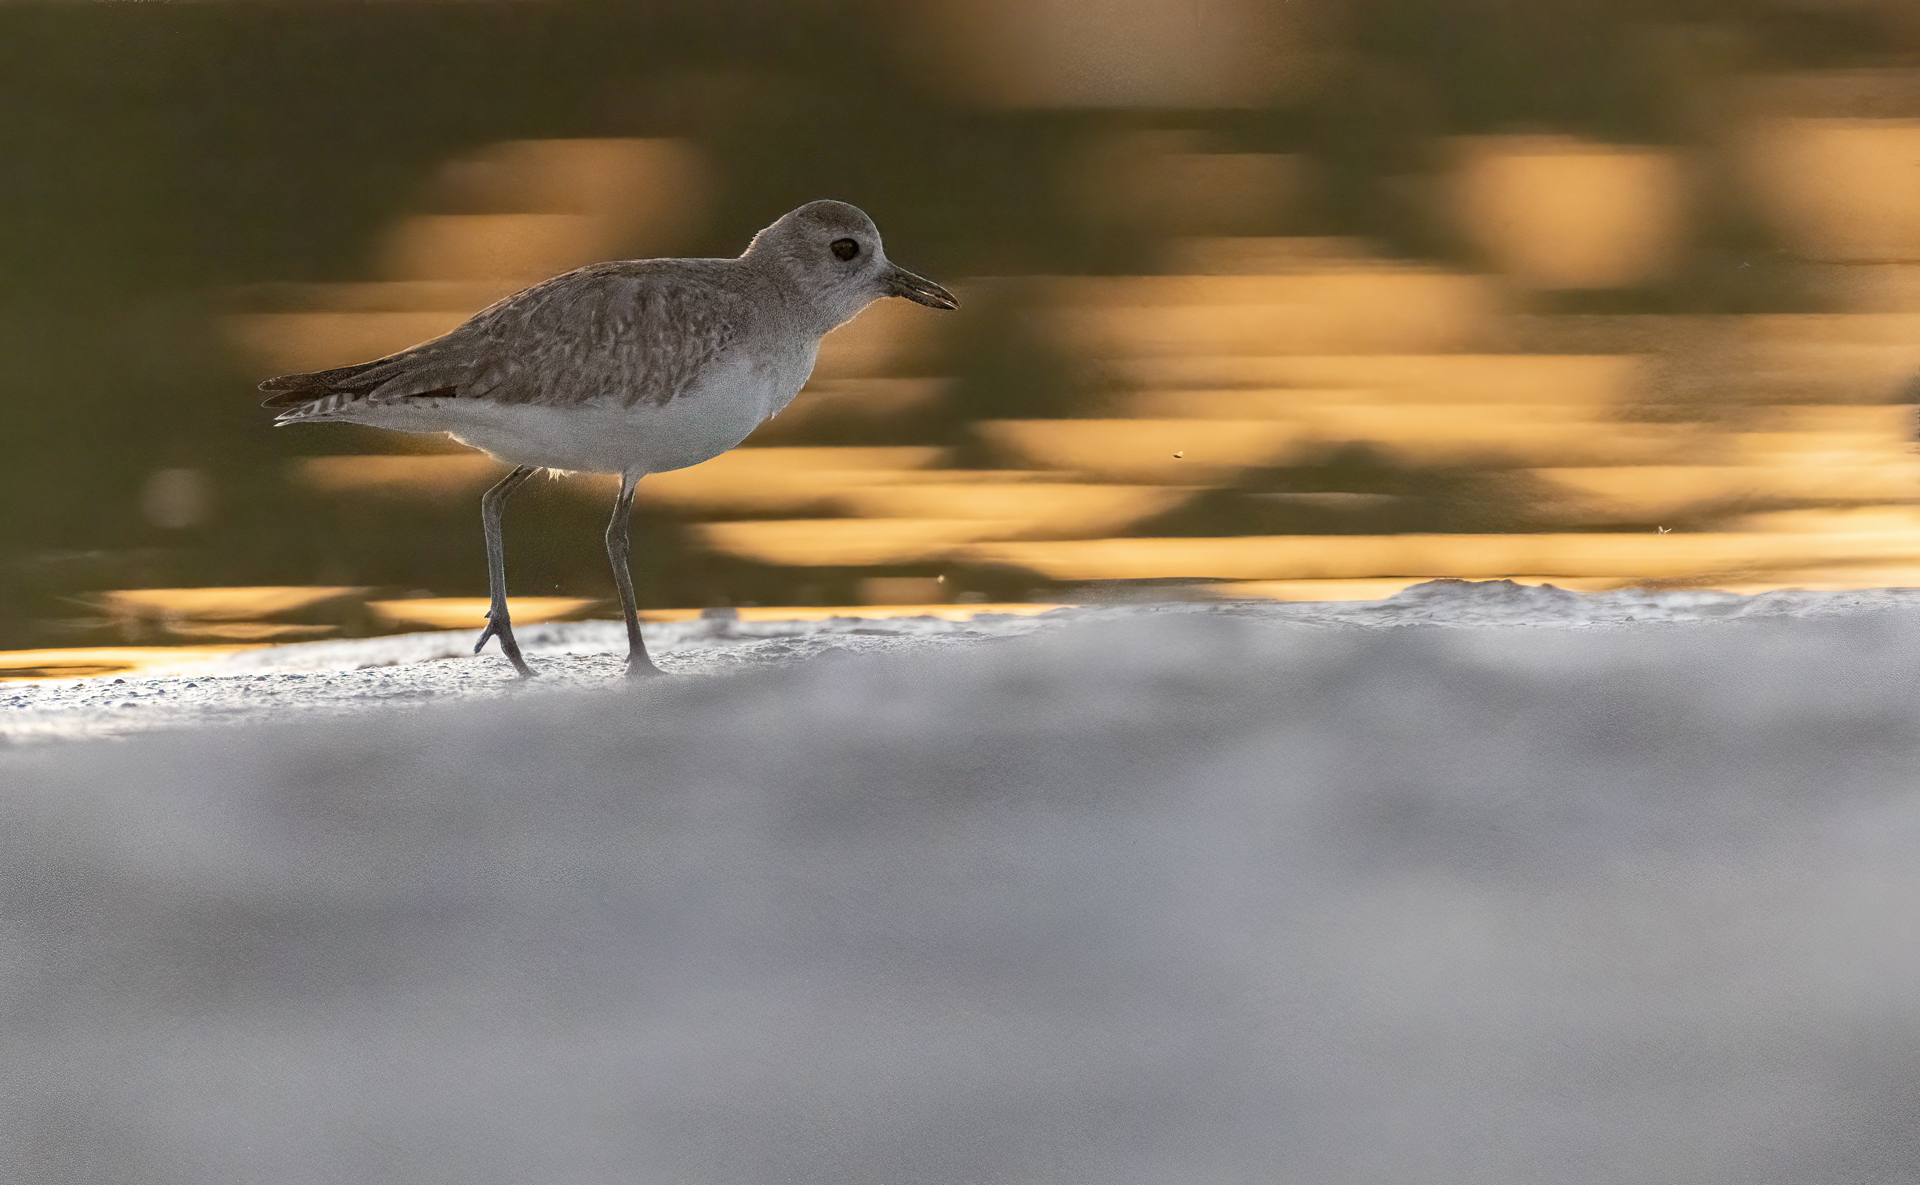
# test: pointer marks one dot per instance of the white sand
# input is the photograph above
(1617, 889)
(409, 670)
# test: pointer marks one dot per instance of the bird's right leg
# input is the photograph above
(492, 504)
(637, 661)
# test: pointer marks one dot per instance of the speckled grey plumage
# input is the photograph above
(627, 337)
(632, 367)
(632, 332)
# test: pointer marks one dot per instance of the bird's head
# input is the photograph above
(832, 251)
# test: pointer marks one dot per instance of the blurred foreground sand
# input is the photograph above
(1155, 896)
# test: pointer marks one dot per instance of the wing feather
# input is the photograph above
(628, 333)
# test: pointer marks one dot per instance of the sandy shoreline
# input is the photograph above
(342, 678)
(1479, 884)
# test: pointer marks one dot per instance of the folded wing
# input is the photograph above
(627, 333)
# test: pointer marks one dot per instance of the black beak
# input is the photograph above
(920, 290)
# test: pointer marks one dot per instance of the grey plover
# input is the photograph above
(632, 367)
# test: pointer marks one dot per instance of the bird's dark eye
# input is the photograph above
(845, 248)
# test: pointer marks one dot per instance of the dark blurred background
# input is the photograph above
(168, 168)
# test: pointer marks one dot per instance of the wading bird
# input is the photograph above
(633, 367)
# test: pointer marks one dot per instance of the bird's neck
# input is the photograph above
(809, 308)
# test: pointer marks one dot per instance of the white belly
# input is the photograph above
(607, 438)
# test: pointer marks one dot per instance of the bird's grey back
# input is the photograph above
(638, 332)
(631, 332)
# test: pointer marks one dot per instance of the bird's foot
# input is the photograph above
(508, 646)
(639, 666)
(486, 635)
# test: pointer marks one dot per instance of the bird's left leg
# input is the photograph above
(499, 624)
(637, 661)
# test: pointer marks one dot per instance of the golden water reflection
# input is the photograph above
(1279, 413)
